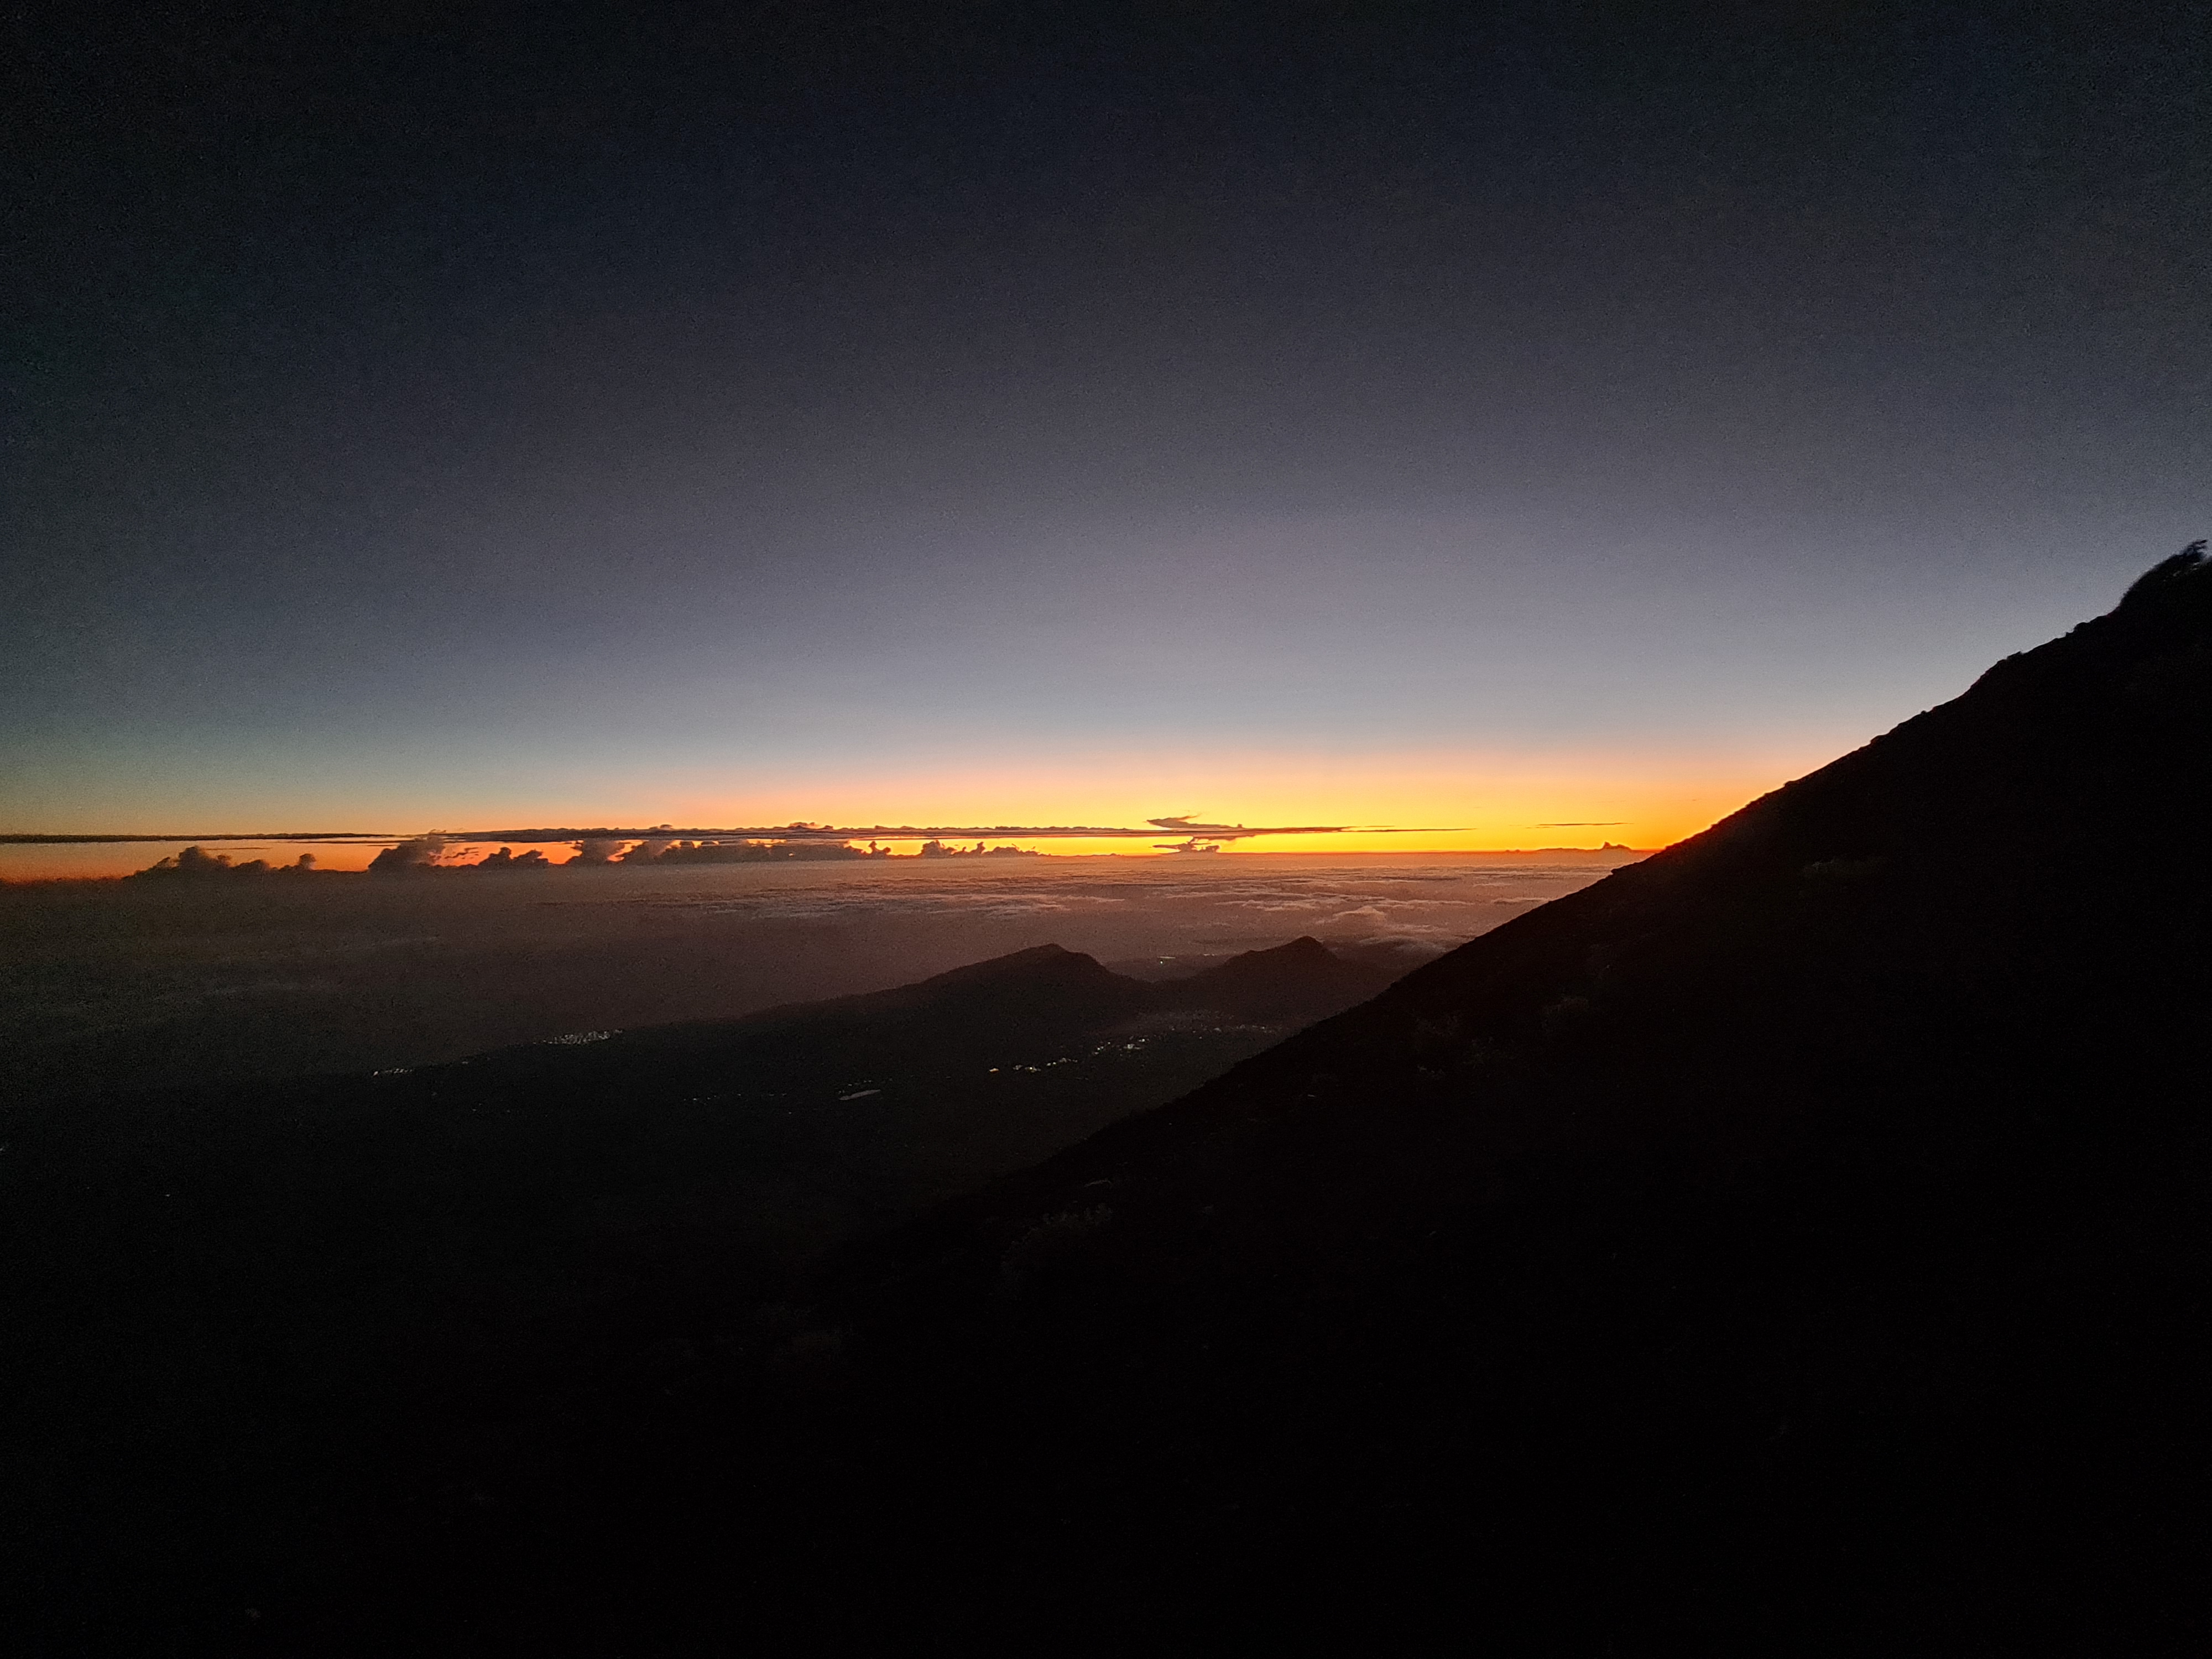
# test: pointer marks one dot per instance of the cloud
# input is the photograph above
(195, 861)
(505, 858)
(421, 852)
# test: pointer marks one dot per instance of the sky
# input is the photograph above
(424, 416)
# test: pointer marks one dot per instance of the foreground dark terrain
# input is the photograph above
(228, 1303)
(1796, 1241)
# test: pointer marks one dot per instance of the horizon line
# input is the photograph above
(784, 832)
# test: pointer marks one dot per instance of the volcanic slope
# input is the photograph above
(1800, 1237)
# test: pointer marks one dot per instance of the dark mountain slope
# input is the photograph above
(2016, 857)
(1798, 1240)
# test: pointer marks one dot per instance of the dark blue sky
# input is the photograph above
(1006, 412)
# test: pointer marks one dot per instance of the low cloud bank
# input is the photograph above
(196, 863)
(421, 853)
(426, 854)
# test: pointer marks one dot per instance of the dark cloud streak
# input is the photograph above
(600, 845)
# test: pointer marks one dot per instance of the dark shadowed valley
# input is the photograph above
(246, 1298)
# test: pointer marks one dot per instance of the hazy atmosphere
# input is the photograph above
(108, 984)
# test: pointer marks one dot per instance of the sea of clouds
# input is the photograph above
(129, 984)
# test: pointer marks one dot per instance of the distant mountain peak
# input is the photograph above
(1295, 983)
(1055, 961)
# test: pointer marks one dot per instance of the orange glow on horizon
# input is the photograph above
(1461, 804)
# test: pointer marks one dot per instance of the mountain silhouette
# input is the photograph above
(1113, 1044)
(1293, 983)
(1796, 1241)
(1042, 995)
